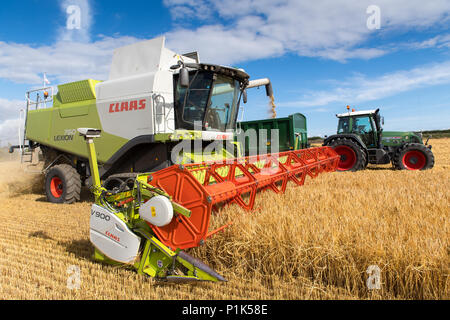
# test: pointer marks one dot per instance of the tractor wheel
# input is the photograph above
(413, 156)
(353, 156)
(62, 184)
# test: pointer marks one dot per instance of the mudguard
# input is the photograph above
(345, 135)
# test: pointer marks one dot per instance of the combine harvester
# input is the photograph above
(156, 199)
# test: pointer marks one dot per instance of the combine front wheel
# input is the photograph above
(414, 156)
(353, 157)
(62, 184)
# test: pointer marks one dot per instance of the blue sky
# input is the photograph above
(320, 55)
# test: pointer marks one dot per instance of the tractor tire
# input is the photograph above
(413, 156)
(353, 156)
(62, 184)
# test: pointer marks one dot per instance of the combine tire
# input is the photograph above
(353, 157)
(62, 184)
(413, 156)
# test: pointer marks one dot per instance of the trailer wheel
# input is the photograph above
(62, 184)
(413, 156)
(353, 157)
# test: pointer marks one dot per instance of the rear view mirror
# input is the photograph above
(382, 121)
(244, 96)
(184, 77)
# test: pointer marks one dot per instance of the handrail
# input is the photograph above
(49, 98)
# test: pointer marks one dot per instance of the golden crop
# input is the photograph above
(314, 242)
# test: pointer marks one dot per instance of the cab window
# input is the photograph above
(343, 125)
(362, 125)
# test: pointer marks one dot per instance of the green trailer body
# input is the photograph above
(292, 133)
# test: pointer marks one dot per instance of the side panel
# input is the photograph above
(138, 105)
(300, 130)
(127, 117)
(164, 121)
(397, 138)
(39, 125)
(138, 58)
(288, 128)
(112, 237)
(50, 128)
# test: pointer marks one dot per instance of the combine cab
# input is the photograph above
(360, 140)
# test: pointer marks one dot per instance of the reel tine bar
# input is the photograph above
(199, 186)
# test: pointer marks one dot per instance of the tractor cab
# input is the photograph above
(365, 124)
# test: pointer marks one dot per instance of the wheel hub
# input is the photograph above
(414, 160)
(348, 157)
(56, 187)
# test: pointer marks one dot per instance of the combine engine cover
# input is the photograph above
(112, 237)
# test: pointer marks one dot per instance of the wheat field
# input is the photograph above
(313, 242)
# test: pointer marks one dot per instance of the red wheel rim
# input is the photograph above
(56, 187)
(414, 160)
(348, 157)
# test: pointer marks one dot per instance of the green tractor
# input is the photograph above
(360, 140)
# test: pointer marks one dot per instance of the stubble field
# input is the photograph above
(314, 242)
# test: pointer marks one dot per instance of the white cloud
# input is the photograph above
(9, 132)
(440, 41)
(235, 31)
(9, 127)
(73, 56)
(361, 88)
(252, 30)
(329, 29)
(63, 61)
(245, 45)
(83, 32)
(10, 108)
(189, 9)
